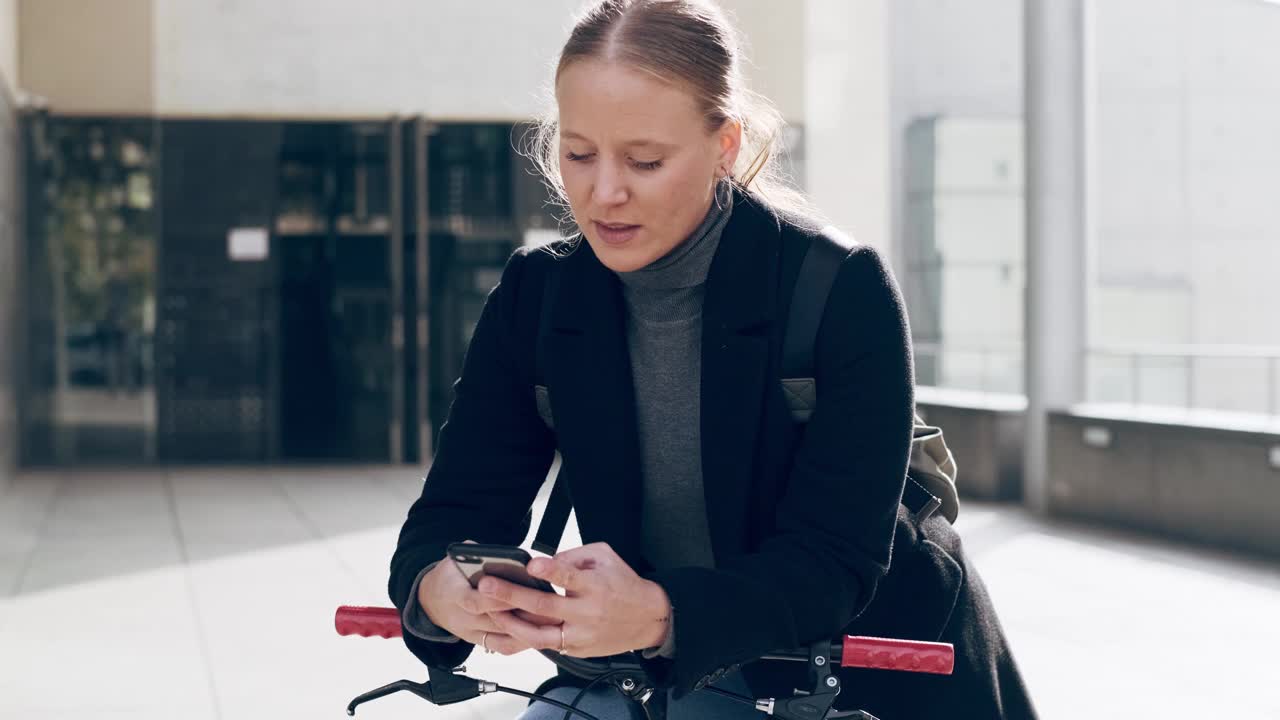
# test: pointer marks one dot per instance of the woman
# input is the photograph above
(715, 529)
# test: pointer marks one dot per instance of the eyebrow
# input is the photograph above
(640, 142)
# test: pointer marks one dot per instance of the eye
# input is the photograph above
(574, 157)
(653, 165)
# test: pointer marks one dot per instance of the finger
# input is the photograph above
(485, 623)
(561, 571)
(531, 618)
(506, 645)
(497, 642)
(535, 618)
(540, 637)
(539, 602)
(478, 603)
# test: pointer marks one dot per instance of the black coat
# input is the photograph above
(802, 520)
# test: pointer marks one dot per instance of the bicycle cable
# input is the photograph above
(731, 695)
(600, 678)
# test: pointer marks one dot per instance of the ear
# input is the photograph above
(730, 144)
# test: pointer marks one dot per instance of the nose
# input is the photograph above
(610, 186)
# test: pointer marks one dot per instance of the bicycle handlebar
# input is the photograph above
(902, 655)
(367, 621)
(853, 651)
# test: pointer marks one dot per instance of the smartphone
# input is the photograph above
(475, 561)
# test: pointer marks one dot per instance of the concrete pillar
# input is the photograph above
(1056, 101)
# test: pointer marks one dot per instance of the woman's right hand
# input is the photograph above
(451, 603)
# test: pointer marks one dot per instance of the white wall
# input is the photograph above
(9, 45)
(1188, 156)
(451, 59)
(847, 115)
(461, 59)
(87, 57)
(775, 35)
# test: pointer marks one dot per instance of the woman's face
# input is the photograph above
(638, 164)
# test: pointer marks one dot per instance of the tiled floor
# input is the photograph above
(209, 593)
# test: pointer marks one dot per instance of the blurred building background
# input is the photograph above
(259, 233)
(1182, 101)
(10, 239)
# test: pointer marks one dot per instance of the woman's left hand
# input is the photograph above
(607, 608)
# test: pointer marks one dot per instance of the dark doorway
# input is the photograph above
(331, 239)
(216, 317)
(333, 358)
(308, 381)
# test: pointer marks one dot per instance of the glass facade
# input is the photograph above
(957, 188)
(245, 291)
(1185, 157)
(88, 382)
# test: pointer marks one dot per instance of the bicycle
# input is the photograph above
(447, 686)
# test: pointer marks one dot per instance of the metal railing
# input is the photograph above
(1139, 362)
(990, 358)
(1193, 360)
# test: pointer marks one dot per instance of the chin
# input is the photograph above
(621, 259)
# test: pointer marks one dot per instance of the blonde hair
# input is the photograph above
(692, 44)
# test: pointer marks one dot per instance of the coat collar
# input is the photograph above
(593, 398)
(741, 283)
(739, 314)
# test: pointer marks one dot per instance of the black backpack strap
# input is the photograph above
(817, 274)
(554, 519)
(549, 285)
(559, 504)
(930, 483)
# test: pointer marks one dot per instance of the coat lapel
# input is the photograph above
(592, 394)
(593, 403)
(738, 316)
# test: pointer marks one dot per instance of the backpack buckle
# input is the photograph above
(927, 510)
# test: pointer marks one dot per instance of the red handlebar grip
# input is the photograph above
(367, 621)
(908, 655)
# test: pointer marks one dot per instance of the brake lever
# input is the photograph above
(444, 688)
(422, 690)
(817, 703)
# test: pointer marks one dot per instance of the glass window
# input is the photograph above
(91, 281)
(1185, 165)
(956, 113)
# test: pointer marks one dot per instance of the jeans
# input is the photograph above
(607, 703)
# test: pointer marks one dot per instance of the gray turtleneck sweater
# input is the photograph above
(664, 335)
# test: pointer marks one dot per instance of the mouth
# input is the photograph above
(616, 233)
